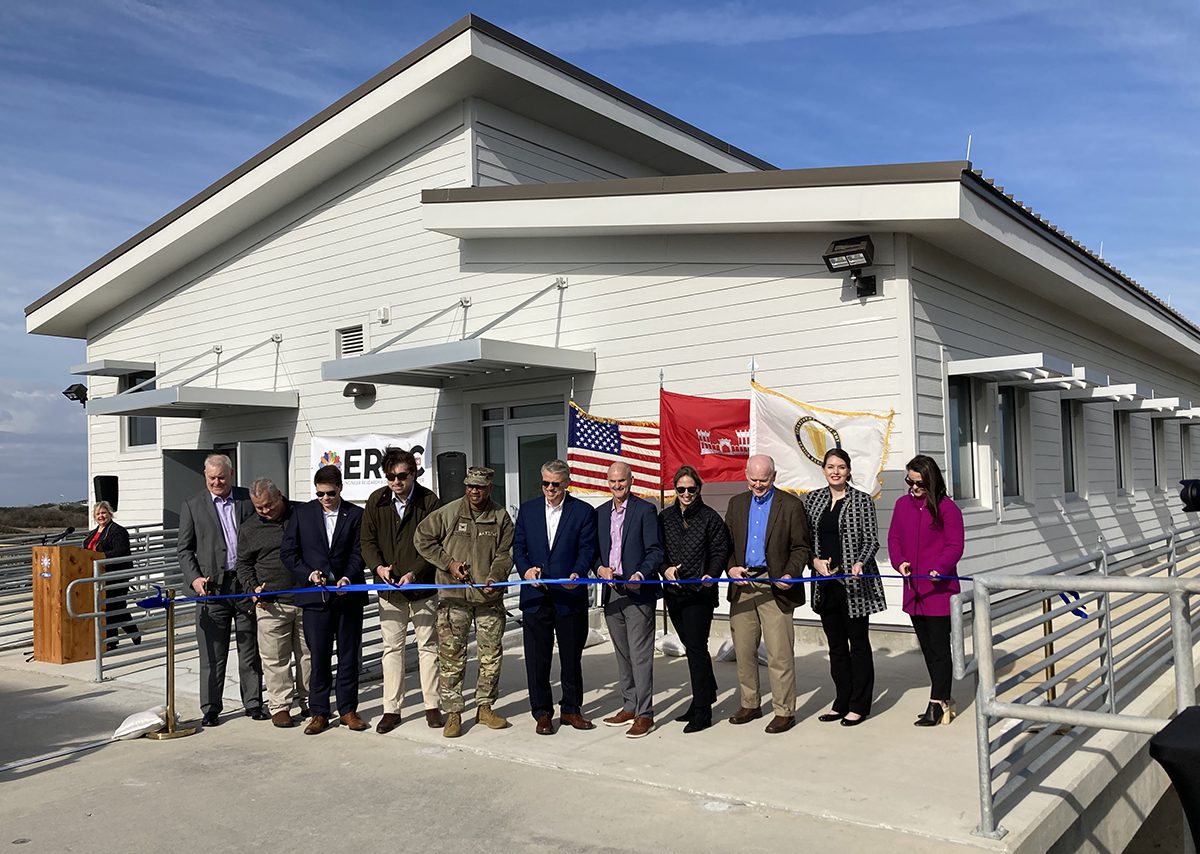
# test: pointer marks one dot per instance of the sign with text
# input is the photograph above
(360, 459)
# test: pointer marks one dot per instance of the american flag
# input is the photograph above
(596, 443)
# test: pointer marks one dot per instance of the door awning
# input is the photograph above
(456, 363)
(187, 401)
(1024, 369)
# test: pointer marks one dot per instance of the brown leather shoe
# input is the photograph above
(387, 723)
(621, 718)
(781, 723)
(318, 724)
(744, 715)
(283, 719)
(545, 725)
(354, 722)
(642, 725)
(433, 717)
(576, 720)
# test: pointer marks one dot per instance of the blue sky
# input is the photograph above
(112, 112)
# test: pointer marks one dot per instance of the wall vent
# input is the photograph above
(350, 341)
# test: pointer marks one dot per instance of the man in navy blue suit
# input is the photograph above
(555, 537)
(630, 550)
(321, 550)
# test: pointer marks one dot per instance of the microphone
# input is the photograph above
(63, 536)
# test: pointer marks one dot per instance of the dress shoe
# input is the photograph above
(621, 718)
(698, 723)
(354, 722)
(932, 717)
(318, 724)
(853, 721)
(780, 723)
(744, 715)
(576, 720)
(642, 725)
(831, 717)
(110, 646)
(211, 719)
(137, 638)
(686, 716)
(433, 718)
(304, 712)
(484, 715)
(545, 725)
(283, 719)
(259, 714)
(453, 727)
(387, 723)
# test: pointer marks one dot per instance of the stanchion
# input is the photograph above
(171, 731)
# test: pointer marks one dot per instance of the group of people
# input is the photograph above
(254, 542)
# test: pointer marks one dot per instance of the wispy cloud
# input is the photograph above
(44, 446)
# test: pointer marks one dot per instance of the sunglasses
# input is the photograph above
(552, 484)
(915, 484)
(330, 494)
(687, 490)
(400, 475)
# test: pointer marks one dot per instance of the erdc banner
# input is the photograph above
(361, 460)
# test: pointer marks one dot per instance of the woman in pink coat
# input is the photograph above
(925, 543)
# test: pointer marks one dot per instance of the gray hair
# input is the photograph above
(559, 468)
(220, 461)
(103, 505)
(264, 487)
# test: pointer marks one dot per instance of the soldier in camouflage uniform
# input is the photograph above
(470, 542)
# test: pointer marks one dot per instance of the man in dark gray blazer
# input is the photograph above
(207, 549)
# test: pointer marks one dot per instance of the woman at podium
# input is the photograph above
(112, 539)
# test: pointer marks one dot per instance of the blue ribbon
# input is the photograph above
(1079, 612)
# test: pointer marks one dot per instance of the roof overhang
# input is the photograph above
(471, 59)
(112, 368)
(185, 401)
(1123, 393)
(1154, 405)
(1022, 369)
(457, 363)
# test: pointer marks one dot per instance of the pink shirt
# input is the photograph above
(913, 537)
(616, 529)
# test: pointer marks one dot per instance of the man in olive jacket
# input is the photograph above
(470, 542)
(390, 519)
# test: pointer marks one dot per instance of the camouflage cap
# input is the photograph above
(478, 476)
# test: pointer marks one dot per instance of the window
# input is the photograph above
(1121, 451)
(962, 439)
(1157, 448)
(1010, 442)
(140, 430)
(1185, 450)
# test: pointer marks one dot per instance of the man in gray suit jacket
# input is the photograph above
(207, 549)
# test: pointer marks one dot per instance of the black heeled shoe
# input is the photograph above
(932, 717)
(699, 722)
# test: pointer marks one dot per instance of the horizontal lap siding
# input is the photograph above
(972, 314)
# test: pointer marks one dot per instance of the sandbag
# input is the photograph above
(140, 723)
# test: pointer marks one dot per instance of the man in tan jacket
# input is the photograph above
(470, 542)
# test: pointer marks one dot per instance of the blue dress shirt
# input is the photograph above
(756, 536)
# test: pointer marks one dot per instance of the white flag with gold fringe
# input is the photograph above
(797, 435)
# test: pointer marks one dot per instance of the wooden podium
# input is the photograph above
(59, 638)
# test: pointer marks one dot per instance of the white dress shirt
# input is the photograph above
(553, 517)
(401, 504)
(330, 524)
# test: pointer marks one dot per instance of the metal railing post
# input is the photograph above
(1181, 635)
(985, 693)
(171, 730)
(1107, 641)
(98, 623)
(1048, 650)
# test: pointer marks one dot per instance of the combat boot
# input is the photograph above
(484, 715)
(453, 727)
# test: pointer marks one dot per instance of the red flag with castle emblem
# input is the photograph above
(710, 434)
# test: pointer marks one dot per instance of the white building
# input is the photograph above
(480, 168)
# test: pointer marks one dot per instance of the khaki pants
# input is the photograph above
(280, 645)
(454, 618)
(395, 612)
(756, 615)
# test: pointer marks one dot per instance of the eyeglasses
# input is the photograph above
(915, 484)
(330, 494)
(687, 490)
(552, 484)
(400, 475)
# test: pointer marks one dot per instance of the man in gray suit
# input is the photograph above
(207, 548)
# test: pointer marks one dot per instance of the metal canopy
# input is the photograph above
(1123, 393)
(454, 363)
(112, 368)
(186, 401)
(1025, 370)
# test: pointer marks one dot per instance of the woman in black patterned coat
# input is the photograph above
(845, 539)
(696, 545)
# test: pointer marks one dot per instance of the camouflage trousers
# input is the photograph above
(453, 624)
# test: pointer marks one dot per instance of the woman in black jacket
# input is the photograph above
(113, 540)
(696, 546)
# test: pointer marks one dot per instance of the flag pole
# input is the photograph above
(662, 493)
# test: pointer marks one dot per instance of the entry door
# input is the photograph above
(526, 446)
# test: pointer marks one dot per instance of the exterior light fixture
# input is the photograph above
(851, 255)
(357, 390)
(76, 391)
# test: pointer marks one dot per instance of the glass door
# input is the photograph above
(529, 446)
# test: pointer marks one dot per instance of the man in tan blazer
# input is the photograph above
(771, 542)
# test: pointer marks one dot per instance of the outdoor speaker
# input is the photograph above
(451, 469)
(1190, 495)
(105, 486)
